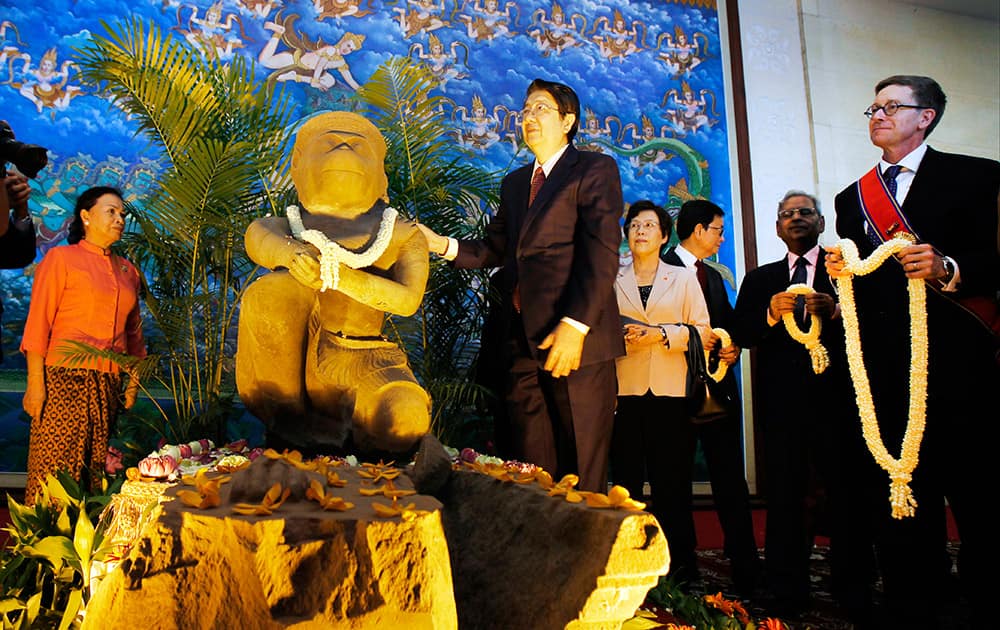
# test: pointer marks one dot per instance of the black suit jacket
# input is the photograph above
(17, 249)
(783, 364)
(719, 309)
(562, 251)
(952, 204)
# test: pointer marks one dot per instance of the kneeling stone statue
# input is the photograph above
(311, 360)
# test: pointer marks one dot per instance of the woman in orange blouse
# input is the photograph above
(82, 292)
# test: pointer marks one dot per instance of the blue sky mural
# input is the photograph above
(649, 75)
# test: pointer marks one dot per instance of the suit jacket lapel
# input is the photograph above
(671, 258)
(662, 281)
(626, 279)
(555, 181)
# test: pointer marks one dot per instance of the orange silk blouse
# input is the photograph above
(84, 293)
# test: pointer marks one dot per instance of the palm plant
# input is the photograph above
(221, 138)
(432, 180)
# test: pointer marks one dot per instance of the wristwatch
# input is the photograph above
(949, 270)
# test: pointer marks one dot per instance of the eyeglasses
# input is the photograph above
(788, 213)
(537, 110)
(646, 225)
(889, 108)
(715, 227)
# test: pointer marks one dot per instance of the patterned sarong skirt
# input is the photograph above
(72, 432)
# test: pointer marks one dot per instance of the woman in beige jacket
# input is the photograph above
(653, 437)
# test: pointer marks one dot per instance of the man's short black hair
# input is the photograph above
(926, 92)
(565, 97)
(696, 212)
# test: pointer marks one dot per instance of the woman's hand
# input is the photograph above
(131, 390)
(34, 397)
(640, 336)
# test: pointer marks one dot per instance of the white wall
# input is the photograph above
(811, 67)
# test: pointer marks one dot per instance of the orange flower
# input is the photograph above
(565, 488)
(772, 624)
(317, 493)
(544, 479)
(617, 498)
(206, 493)
(272, 501)
(674, 626)
(729, 607)
(334, 480)
(378, 472)
(292, 457)
(407, 512)
(389, 491)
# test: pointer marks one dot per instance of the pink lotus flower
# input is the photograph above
(255, 453)
(238, 446)
(468, 455)
(113, 461)
(185, 451)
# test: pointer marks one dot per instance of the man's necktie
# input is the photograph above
(536, 184)
(799, 277)
(699, 268)
(889, 176)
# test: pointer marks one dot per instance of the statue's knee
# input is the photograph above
(394, 417)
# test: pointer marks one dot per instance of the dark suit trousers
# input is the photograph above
(723, 448)
(561, 424)
(653, 439)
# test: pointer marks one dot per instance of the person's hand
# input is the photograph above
(639, 336)
(132, 389)
(820, 304)
(305, 268)
(921, 263)
(565, 346)
(835, 263)
(730, 354)
(18, 192)
(781, 303)
(34, 398)
(436, 243)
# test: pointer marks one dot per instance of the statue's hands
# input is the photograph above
(304, 267)
(565, 346)
(436, 243)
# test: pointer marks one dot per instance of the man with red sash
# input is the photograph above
(949, 203)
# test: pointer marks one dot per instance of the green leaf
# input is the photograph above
(73, 605)
(83, 539)
(56, 550)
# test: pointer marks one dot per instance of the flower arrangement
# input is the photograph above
(688, 611)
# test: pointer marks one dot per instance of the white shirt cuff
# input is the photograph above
(583, 328)
(450, 252)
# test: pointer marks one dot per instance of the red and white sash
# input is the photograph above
(885, 215)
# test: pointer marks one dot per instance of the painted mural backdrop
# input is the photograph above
(649, 75)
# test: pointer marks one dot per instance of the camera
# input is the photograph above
(28, 158)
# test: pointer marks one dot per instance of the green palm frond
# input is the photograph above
(221, 138)
(433, 180)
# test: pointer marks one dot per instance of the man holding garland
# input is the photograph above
(947, 204)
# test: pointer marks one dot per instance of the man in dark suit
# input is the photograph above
(556, 237)
(800, 410)
(949, 203)
(17, 231)
(700, 224)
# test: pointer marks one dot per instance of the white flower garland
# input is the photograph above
(724, 341)
(332, 254)
(818, 354)
(900, 470)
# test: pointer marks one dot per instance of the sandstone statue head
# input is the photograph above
(338, 164)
